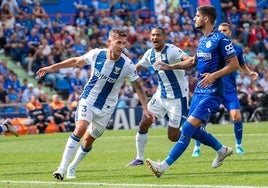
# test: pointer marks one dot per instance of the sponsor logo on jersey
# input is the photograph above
(103, 76)
(229, 48)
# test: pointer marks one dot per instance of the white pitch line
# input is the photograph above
(122, 184)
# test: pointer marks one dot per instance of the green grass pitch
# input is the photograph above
(29, 160)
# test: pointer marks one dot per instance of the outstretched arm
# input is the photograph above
(184, 64)
(71, 62)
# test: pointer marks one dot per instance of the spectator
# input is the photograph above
(3, 96)
(75, 82)
(59, 112)
(12, 4)
(264, 81)
(247, 106)
(226, 5)
(28, 93)
(37, 114)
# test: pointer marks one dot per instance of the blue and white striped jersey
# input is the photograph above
(106, 78)
(173, 83)
(212, 52)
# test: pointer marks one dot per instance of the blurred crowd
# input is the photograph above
(33, 39)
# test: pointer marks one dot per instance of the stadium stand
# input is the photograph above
(30, 38)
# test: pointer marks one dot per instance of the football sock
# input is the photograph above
(1, 128)
(141, 140)
(238, 130)
(183, 142)
(197, 145)
(80, 155)
(70, 148)
(206, 138)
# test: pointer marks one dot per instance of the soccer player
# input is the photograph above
(214, 49)
(230, 100)
(171, 96)
(6, 126)
(109, 68)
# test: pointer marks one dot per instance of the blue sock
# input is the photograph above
(206, 138)
(238, 130)
(183, 142)
(1, 129)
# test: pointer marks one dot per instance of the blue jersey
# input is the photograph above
(230, 79)
(212, 52)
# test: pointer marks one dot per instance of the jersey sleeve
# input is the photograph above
(90, 56)
(145, 60)
(240, 55)
(132, 72)
(226, 48)
(175, 54)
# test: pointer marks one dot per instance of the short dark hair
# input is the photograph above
(208, 11)
(226, 25)
(160, 28)
(115, 32)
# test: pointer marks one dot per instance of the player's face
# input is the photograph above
(199, 22)
(117, 45)
(225, 30)
(157, 38)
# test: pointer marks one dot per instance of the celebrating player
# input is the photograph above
(172, 92)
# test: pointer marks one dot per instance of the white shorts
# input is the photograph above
(175, 109)
(97, 119)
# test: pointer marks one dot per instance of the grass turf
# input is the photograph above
(29, 160)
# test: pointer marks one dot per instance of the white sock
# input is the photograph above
(70, 148)
(80, 155)
(196, 148)
(141, 140)
(238, 145)
(164, 165)
(222, 150)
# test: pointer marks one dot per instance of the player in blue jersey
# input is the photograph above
(231, 101)
(172, 92)
(214, 49)
(6, 126)
(109, 68)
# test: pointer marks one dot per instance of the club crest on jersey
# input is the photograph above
(208, 44)
(163, 57)
(117, 70)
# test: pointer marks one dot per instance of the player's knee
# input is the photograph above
(236, 118)
(145, 123)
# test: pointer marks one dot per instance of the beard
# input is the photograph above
(200, 27)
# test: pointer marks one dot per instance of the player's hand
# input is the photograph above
(207, 80)
(253, 75)
(41, 72)
(161, 66)
(149, 114)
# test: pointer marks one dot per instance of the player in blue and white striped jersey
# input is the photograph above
(109, 68)
(171, 95)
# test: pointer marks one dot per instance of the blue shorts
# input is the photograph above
(203, 105)
(230, 101)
